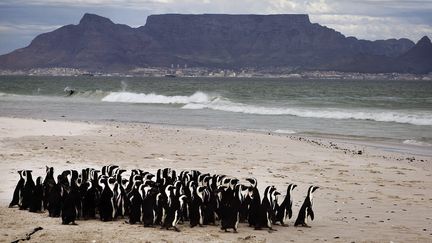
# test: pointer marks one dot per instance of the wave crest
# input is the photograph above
(328, 113)
(200, 100)
(152, 98)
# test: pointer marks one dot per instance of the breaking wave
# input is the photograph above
(152, 98)
(417, 143)
(200, 100)
(284, 131)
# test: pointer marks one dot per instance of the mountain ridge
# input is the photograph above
(216, 41)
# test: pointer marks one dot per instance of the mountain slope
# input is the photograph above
(213, 40)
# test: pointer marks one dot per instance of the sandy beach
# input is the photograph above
(372, 196)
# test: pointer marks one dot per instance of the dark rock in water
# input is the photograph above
(216, 41)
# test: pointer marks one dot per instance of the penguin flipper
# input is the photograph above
(311, 213)
(289, 212)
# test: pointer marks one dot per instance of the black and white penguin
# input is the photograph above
(196, 214)
(27, 190)
(149, 193)
(265, 213)
(230, 207)
(284, 210)
(36, 203)
(48, 185)
(135, 203)
(245, 200)
(106, 200)
(306, 209)
(89, 197)
(171, 209)
(68, 207)
(254, 207)
(54, 198)
(18, 190)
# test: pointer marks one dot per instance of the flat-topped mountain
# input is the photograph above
(216, 41)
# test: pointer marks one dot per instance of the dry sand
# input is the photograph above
(373, 197)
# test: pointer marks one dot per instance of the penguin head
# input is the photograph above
(39, 180)
(124, 181)
(233, 182)
(79, 181)
(252, 181)
(28, 174)
(21, 173)
(221, 188)
(49, 171)
(311, 190)
(149, 176)
(291, 188)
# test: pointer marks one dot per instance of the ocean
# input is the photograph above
(380, 110)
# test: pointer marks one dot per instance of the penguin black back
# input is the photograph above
(306, 208)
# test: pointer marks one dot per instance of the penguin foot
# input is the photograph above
(235, 231)
(176, 229)
(305, 225)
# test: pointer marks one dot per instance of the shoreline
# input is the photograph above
(351, 144)
(372, 197)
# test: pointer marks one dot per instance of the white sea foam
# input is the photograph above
(152, 98)
(285, 131)
(200, 100)
(415, 142)
(330, 113)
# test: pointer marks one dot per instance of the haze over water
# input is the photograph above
(397, 111)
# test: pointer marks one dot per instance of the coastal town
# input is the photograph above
(185, 71)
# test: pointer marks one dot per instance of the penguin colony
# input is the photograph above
(165, 199)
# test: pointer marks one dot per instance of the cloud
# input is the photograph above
(374, 28)
(366, 19)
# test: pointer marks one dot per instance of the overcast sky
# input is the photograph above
(22, 20)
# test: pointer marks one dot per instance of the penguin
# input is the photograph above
(254, 207)
(171, 209)
(48, 185)
(106, 201)
(273, 196)
(284, 210)
(196, 216)
(161, 201)
(135, 203)
(27, 190)
(18, 189)
(306, 209)
(121, 202)
(36, 204)
(149, 205)
(264, 214)
(89, 194)
(230, 208)
(54, 198)
(245, 202)
(68, 209)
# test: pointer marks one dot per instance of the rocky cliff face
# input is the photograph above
(212, 40)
